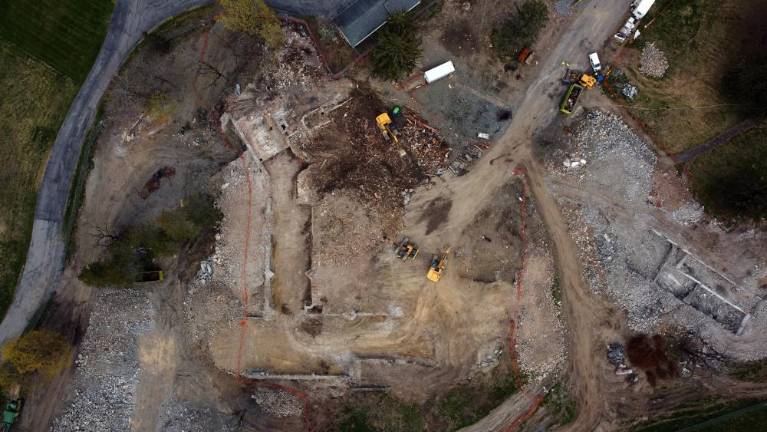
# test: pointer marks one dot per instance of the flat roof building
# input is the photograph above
(363, 17)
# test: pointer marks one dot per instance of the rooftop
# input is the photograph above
(363, 17)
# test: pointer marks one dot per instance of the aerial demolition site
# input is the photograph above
(397, 240)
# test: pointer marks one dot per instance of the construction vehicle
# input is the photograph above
(525, 56)
(571, 98)
(383, 121)
(388, 123)
(12, 409)
(584, 79)
(437, 266)
(406, 249)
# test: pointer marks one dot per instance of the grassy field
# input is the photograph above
(739, 416)
(35, 100)
(731, 180)
(64, 34)
(46, 50)
(684, 108)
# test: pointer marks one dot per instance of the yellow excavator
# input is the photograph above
(437, 266)
(383, 121)
(386, 123)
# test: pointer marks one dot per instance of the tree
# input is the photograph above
(38, 352)
(253, 17)
(398, 48)
(521, 29)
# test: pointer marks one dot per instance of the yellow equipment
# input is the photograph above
(383, 121)
(588, 81)
(438, 265)
(406, 250)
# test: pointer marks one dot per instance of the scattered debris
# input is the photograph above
(629, 91)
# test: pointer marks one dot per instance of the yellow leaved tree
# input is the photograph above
(254, 17)
(39, 351)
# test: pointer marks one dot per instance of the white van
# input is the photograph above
(594, 60)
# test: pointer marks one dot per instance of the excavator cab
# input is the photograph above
(437, 266)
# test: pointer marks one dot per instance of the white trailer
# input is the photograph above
(439, 72)
(640, 7)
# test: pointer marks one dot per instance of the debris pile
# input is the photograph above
(278, 403)
(181, 417)
(107, 367)
(653, 61)
(240, 227)
(352, 160)
(425, 144)
(339, 219)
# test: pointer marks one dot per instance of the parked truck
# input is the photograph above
(639, 8)
(571, 98)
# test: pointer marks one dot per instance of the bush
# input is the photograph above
(397, 50)
(134, 250)
(40, 352)
(253, 17)
(521, 29)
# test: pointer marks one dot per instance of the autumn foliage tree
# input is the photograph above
(253, 17)
(40, 352)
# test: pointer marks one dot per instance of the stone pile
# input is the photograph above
(653, 61)
(278, 403)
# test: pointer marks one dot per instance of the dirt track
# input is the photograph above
(583, 312)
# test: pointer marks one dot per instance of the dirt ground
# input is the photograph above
(300, 292)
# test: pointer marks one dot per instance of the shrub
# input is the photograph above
(521, 29)
(134, 250)
(397, 50)
(37, 352)
(253, 17)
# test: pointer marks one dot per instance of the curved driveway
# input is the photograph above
(45, 257)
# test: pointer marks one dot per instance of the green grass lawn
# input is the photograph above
(737, 416)
(731, 180)
(64, 34)
(47, 48)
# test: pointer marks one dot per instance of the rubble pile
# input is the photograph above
(298, 64)
(107, 367)
(425, 144)
(351, 157)
(177, 416)
(339, 218)
(240, 182)
(278, 403)
(653, 61)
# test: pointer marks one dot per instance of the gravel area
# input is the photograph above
(620, 258)
(107, 367)
(278, 403)
(182, 417)
(653, 61)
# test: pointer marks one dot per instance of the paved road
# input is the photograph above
(45, 258)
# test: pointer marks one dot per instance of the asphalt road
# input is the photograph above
(45, 258)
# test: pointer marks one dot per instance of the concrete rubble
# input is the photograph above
(278, 403)
(107, 367)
